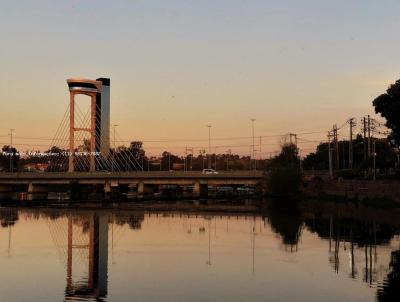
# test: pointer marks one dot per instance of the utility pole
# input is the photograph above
(191, 158)
(351, 124)
(259, 153)
(330, 155)
(253, 152)
(229, 151)
(215, 158)
(185, 161)
(369, 137)
(344, 155)
(300, 163)
(293, 141)
(365, 144)
(11, 152)
(365, 138)
(250, 151)
(374, 155)
(209, 146)
(336, 147)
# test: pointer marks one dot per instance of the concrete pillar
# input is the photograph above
(37, 191)
(107, 190)
(199, 189)
(170, 191)
(6, 192)
(71, 131)
(75, 190)
(140, 188)
(145, 189)
(107, 187)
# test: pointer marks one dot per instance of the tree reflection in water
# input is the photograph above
(346, 235)
(286, 220)
(8, 217)
(390, 291)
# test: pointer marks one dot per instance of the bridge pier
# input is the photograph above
(75, 190)
(200, 189)
(107, 190)
(145, 189)
(37, 191)
(107, 187)
(6, 192)
(170, 191)
(84, 185)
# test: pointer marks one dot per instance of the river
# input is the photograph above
(113, 255)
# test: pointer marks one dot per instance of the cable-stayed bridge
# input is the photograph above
(38, 185)
(80, 158)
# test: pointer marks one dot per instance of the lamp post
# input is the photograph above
(215, 162)
(252, 131)
(11, 152)
(374, 154)
(229, 151)
(209, 146)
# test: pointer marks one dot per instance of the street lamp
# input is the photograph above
(209, 146)
(374, 155)
(229, 152)
(11, 152)
(215, 165)
(252, 131)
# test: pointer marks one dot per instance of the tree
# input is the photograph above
(285, 177)
(390, 291)
(8, 155)
(386, 156)
(136, 149)
(388, 106)
(57, 159)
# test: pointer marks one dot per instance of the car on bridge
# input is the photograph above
(209, 171)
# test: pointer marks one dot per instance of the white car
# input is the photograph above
(209, 171)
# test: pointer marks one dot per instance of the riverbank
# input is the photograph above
(384, 192)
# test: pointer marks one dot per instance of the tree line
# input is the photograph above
(129, 158)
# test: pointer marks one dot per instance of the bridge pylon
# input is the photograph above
(99, 128)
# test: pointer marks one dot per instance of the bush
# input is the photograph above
(284, 181)
(285, 176)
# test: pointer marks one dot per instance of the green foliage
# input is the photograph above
(386, 156)
(388, 105)
(6, 154)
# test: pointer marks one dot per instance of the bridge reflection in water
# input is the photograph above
(362, 246)
(84, 246)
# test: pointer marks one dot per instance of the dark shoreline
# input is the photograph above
(305, 207)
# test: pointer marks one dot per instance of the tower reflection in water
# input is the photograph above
(361, 247)
(87, 252)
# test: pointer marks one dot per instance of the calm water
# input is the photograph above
(101, 255)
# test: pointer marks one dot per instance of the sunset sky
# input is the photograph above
(176, 66)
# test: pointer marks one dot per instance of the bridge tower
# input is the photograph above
(99, 92)
(94, 286)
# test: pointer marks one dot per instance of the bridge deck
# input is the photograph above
(154, 177)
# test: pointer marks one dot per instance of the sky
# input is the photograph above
(176, 66)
